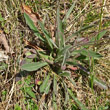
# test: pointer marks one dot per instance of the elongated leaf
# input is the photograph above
(64, 58)
(77, 32)
(54, 102)
(33, 27)
(94, 54)
(90, 53)
(74, 62)
(71, 80)
(63, 54)
(47, 88)
(30, 92)
(33, 66)
(59, 58)
(50, 43)
(44, 84)
(54, 92)
(101, 34)
(43, 55)
(53, 43)
(100, 84)
(55, 85)
(62, 51)
(75, 52)
(66, 94)
(65, 73)
(60, 31)
(87, 53)
(69, 12)
(80, 105)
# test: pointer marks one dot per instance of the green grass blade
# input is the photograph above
(64, 58)
(47, 88)
(54, 102)
(94, 54)
(87, 53)
(1, 18)
(66, 94)
(60, 32)
(33, 27)
(82, 29)
(71, 80)
(46, 57)
(62, 51)
(100, 84)
(101, 34)
(30, 92)
(90, 53)
(69, 12)
(73, 62)
(44, 84)
(54, 43)
(54, 92)
(65, 74)
(58, 59)
(33, 66)
(80, 105)
(48, 38)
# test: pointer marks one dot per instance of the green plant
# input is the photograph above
(27, 88)
(59, 54)
(1, 18)
(28, 94)
(17, 107)
(4, 93)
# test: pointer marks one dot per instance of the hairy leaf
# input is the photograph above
(44, 84)
(100, 84)
(33, 27)
(47, 88)
(33, 66)
(60, 31)
(46, 35)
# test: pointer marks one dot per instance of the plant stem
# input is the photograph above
(101, 16)
(92, 73)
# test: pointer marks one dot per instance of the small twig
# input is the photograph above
(10, 95)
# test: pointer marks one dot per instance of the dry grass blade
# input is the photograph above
(32, 45)
(3, 41)
(34, 16)
(3, 56)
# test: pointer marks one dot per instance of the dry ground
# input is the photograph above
(15, 29)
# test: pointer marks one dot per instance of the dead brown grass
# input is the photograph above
(16, 30)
